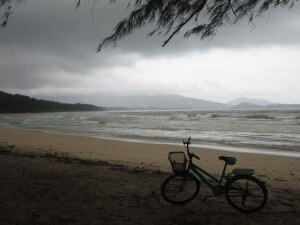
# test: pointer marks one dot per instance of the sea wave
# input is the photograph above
(29, 121)
(265, 129)
(89, 122)
(220, 116)
(260, 116)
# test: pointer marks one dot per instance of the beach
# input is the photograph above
(49, 178)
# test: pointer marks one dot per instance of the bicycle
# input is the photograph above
(242, 189)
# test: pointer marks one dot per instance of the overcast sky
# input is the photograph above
(48, 50)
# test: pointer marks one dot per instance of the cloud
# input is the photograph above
(49, 48)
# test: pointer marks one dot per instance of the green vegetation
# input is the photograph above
(23, 104)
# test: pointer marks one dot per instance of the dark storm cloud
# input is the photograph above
(52, 44)
(45, 40)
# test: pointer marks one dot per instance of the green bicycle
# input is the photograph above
(242, 190)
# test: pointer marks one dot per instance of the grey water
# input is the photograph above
(272, 129)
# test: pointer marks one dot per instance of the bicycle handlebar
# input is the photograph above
(188, 142)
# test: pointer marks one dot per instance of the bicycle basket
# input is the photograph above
(178, 161)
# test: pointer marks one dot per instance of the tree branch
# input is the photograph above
(201, 6)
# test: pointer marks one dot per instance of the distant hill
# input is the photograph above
(248, 106)
(253, 101)
(156, 102)
(283, 106)
(23, 104)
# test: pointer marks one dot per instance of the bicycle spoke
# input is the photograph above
(180, 189)
(246, 194)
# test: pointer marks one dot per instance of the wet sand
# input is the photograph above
(64, 179)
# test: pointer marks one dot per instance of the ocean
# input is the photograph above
(272, 130)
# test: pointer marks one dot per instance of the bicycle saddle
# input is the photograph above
(228, 160)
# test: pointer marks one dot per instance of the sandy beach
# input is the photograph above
(63, 179)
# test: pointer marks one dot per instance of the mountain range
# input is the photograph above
(249, 106)
(21, 103)
(156, 102)
(174, 102)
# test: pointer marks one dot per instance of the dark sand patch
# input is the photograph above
(50, 189)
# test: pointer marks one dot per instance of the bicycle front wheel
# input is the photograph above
(180, 189)
(246, 193)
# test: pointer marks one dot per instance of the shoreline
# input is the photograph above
(261, 151)
(222, 148)
(133, 154)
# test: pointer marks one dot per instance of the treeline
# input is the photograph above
(23, 104)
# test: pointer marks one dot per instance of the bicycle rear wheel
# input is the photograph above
(246, 193)
(180, 189)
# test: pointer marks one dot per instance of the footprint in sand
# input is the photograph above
(263, 175)
(286, 190)
(279, 179)
(286, 203)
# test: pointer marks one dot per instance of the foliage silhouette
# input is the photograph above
(23, 104)
(202, 18)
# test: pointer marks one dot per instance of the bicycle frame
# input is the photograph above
(197, 171)
(199, 174)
